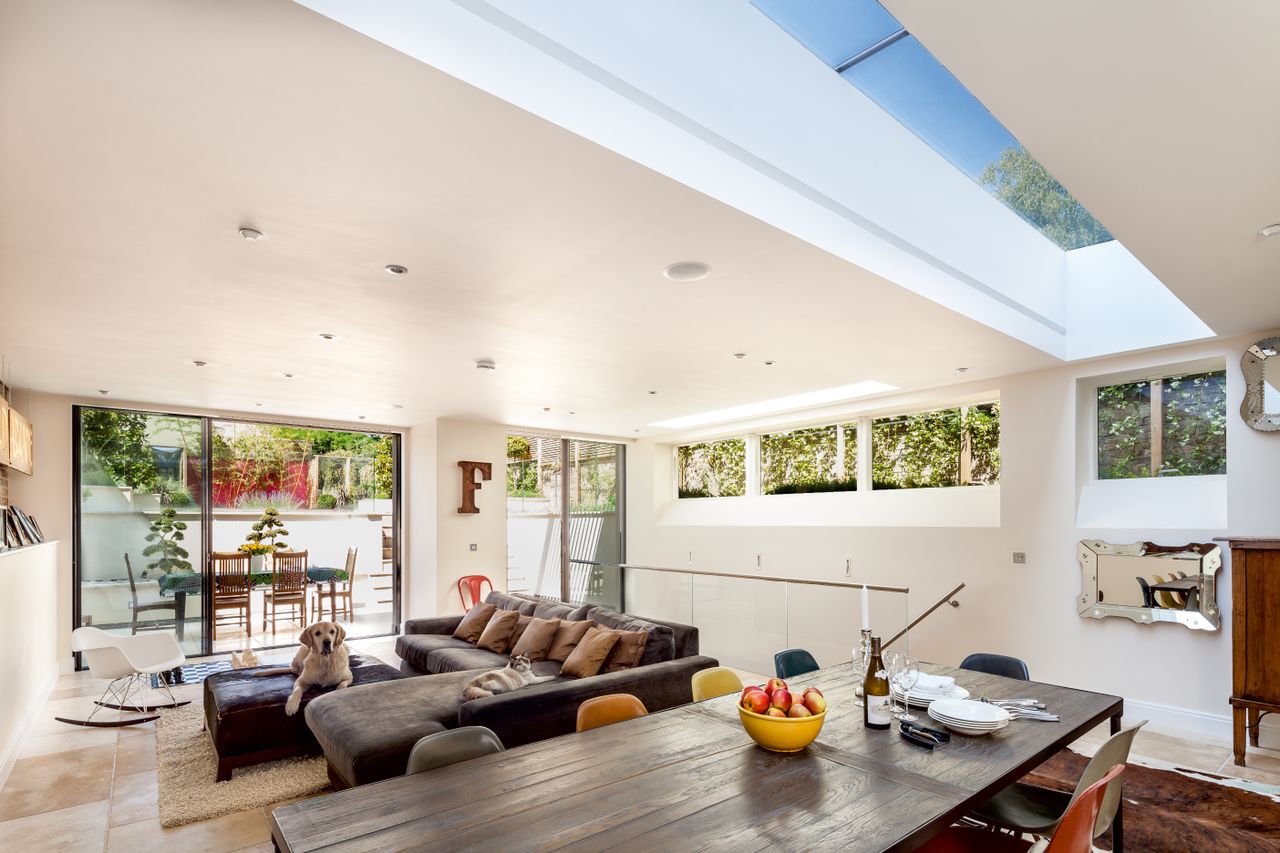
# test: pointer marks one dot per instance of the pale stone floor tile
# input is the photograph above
(134, 797)
(73, 737)
(1260, 766)
(221, 834)
(78, 829)
(136, 754)
(59, 780)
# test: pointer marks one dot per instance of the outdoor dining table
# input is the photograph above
(180, 585)
(691, 778)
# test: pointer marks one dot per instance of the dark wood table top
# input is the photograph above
(691, 778)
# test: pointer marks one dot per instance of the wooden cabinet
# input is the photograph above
(1255, 636)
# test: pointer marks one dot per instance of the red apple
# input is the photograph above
(809, 690)
(798, 710)
(774, 684)
(777, 712)
(756, 701)
(781, 699)
(815, 702)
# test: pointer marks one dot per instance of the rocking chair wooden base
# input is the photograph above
(108, 724)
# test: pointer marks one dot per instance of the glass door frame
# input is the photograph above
(566, 514)
(206, 513)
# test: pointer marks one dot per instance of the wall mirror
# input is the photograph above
(1151, 583)
(1261, 366)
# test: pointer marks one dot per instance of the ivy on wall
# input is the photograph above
(714, 469)
(809, 460)
(1193, 427)
(947, 447)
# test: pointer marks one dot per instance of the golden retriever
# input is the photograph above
(321, 661)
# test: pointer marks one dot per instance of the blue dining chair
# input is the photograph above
(996, 665)
(792, 662)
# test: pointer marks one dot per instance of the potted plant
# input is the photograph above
(261, 539)
(165, 538)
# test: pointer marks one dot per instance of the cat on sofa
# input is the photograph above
(517, 674)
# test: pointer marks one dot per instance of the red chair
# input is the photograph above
(472, 584)
(1073, 835)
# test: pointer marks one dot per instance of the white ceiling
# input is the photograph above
(138, 136)
(1160, 116)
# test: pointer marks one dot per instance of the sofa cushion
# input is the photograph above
(659, 646)
(367, 733)
(588, 656)
(553, 610)
(472, 625)
(627, 652)
(414, 649)
(508, 601)
(537, 638)
(456, 660)
(568, 635)
(496, 636)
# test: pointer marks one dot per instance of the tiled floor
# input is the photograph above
(79, 789)
(84, 789)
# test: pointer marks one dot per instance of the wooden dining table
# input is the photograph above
(690, 778)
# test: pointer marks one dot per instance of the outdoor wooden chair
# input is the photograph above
(139, 606)
(342, 594)
(231, 588)
(288, 588)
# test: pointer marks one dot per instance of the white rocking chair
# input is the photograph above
(128, 661)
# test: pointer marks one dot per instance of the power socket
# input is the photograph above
(475, 547)
(1019, 557)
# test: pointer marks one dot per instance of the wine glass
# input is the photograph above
(892, 666)
(908, 675)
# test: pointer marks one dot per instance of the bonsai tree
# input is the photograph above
(261, 539)
(165, 538)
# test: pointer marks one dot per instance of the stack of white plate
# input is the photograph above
(969, 717)
(929, 689)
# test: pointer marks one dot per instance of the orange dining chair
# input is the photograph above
(609, 709)
(1073, 835)
(472, 584)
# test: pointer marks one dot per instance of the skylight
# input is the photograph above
(868, 47)
(779, 404)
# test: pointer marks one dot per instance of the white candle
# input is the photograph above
(866, 609)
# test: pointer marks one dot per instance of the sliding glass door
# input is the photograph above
(140, 552)
(159, 496)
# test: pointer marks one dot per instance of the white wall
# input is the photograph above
(458, 441)
(28, 639)
(418, 584)
(1178, 677)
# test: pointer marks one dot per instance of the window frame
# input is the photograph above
(862, 470)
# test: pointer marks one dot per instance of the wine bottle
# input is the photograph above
(875, 691)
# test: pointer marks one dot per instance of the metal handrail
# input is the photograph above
(946, 599)
(772, 579)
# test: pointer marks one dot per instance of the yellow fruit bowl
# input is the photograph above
(781, 734)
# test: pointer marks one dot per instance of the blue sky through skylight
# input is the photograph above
(907, 82)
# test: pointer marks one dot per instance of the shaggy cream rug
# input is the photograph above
(187, 764)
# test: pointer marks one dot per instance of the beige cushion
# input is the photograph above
(521, 624)
(588, 655)
(627, 652)
(568, 637)
(496, 636)
(472, 625)
(537, 638)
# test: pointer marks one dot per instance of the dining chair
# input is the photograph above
(139, 606)
(472, 584)
(993, 664)
(713, 682)
(1030, 808)
(1073, 835)
(792, 662)
(231, 588)
(288, 588)
(450, 747)
(609, 709)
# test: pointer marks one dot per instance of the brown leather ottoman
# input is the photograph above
(244, 713)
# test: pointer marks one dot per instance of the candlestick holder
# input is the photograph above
(861, 657)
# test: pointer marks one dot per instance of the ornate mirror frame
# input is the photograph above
(1253, 364)
(1206, 558)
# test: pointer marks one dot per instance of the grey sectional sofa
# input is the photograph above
(367, 731)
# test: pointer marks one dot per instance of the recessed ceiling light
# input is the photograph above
(652, 393)
(251, 234)
(396, 269)
(103, 392)
(328, 336)
(200, 364)
(392, 406)
(573, 413)
(779, 404)
(288, 375)
(1270, 230)
(546, 408)
(962, 370)
(768, 364)
(739, 355)
(687, 271)
(361, 417)
(259, 405)
(486, 364)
